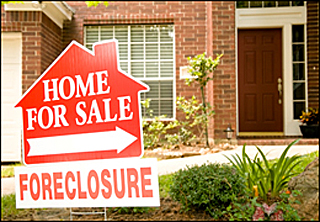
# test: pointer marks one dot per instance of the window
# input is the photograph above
(147, 53)
(298, 70)
(266, 4)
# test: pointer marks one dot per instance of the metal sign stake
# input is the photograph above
(88, 213)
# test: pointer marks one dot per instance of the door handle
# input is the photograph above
(280, 90)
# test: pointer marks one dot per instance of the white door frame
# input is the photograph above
(284, 18)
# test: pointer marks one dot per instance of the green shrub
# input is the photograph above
(209, 187)
(286, 206)
(154, 129)
(242, 209)
(201, 67)
(194, 119)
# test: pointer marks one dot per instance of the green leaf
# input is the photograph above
(96, 3)
(263, 157)
(11, 2)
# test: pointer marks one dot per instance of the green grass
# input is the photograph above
(8, 202)
(305, 160)
(8, 171)
(8, 205)
(164, 184)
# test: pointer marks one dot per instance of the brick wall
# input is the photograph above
(41, 41)
(224, 84)
(313, 52)
(51, 42)
(28, 23)
(189, 19)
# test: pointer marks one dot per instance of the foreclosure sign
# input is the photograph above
(83, 107)
(82, 135)
(99, 183)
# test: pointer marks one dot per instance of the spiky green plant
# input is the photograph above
(268, 177)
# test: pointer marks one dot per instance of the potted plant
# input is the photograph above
(310, 123)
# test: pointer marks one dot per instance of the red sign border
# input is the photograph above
(92, 52)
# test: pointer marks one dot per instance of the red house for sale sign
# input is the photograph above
(81, 123)
(83, 107)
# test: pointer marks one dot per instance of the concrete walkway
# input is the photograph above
(271, 152)
(173, 165)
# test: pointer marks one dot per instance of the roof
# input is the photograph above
(56, 11)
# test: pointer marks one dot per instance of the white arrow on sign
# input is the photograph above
(84, 142)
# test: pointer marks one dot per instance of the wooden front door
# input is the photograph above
(260, 81)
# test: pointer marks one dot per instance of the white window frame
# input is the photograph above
(284, 18)
(305, 99)
(276, 5)
(144, 60)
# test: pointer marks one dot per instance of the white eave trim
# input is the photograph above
(56, 11)
(246, 18)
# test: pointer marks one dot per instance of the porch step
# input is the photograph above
(276, 141)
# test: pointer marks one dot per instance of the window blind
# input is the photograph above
(147, 53)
